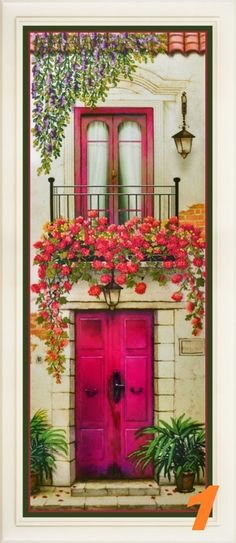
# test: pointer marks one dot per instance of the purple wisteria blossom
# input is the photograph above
(34, 90)
(83, 65)
(38, 128)
(38, 107)
(59, 59)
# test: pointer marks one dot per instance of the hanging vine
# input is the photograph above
(84, 66)
(89, 250)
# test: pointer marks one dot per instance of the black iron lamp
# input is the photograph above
(183, 139)
(112, 292)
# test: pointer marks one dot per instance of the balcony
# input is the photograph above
(118, 204)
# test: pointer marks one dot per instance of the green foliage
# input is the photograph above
(84, 66)
(45, 442)
(176, 447)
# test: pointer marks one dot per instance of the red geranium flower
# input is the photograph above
(95, 290)
(44, 315)
(177, 296)
(76, 246)
(43, 285)
(92, 214)
(183, 243)
(160, 239)
(190, 307)
(105, 278)
(97, 265)
(173, 220)
(64, 342)
(196, 321)
(115, 247)
(140, 288)
(67, 286)
(198, 261)
(168, 264)
(181, 263)
(196, 331)
(35, 288)
(38, 245)
(42, 271)
(120, 279)
(132, 267)
(65, 270)
(122, 266)
(176, 278)
(85, 252)
(103, 221)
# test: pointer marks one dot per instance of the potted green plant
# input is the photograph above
(45, 443)
(176, 448)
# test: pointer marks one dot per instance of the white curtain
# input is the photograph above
(130, 169)
(97, 142)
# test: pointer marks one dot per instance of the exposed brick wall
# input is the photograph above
(194, 215)
(35, 328)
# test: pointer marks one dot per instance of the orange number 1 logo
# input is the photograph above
(205, 499)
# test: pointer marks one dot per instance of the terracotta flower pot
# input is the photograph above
(184, 482)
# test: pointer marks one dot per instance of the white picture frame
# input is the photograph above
(220, 527)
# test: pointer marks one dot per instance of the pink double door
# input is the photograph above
(114, 390)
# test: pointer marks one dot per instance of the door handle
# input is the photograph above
(137, 390)
(118, 386)
(91, 392)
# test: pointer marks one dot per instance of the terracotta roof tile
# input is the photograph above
(186, 42)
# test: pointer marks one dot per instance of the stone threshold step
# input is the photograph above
(141, 487)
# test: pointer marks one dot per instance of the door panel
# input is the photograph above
(91, 415)
(92, 389)
(92, 444)
(92, 336)
(136, 332)
(136, 386)
(114, 395)
(136, 358)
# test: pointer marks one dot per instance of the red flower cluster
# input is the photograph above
(92, 250)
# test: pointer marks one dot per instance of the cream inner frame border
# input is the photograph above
(220, 528)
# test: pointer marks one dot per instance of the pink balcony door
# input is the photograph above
(114, 390)
(114, 162)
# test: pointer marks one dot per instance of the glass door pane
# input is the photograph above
(97, 165)
(130, 170)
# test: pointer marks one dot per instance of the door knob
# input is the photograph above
(137, 390)
(118, 386)
(91, 392)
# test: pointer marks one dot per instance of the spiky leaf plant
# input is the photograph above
(45, 443)
(176, 447)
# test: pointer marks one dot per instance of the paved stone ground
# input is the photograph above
(53, 498)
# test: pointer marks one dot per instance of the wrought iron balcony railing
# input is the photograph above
(118, 204)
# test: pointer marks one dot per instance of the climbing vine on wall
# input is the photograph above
(91, 250)
(84, 66)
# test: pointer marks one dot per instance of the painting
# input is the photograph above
(117, 206)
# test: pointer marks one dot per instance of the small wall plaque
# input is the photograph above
(193, 346)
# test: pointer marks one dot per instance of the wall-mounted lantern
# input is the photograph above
(112, 292)
(183, 139)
